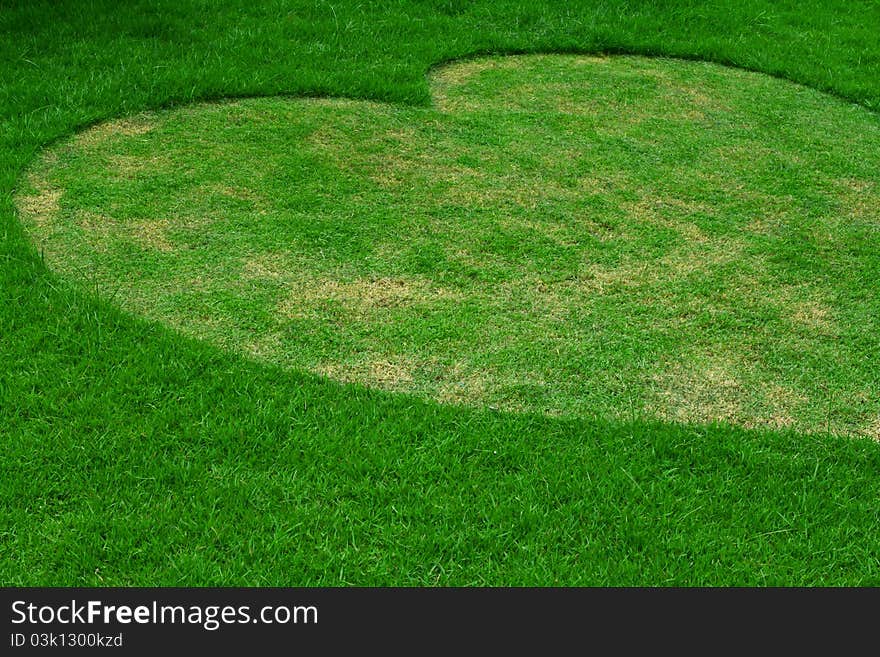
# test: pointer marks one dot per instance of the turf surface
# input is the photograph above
(135, 455)
(614, 238)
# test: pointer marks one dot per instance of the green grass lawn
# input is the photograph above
(515, 320)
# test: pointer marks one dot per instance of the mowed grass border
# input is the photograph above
(132, 455)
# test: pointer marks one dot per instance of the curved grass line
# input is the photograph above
(679, 68)
(435, 66)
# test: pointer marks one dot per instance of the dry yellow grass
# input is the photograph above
(382, 373)
(125, 127)
(41, 208)
(361, 297)
(721, 388)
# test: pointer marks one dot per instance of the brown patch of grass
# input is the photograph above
(463, 386)
(151, 233)
(41, 204)
(240, 193)
(856, 185)
(362, 296)
(782, 401)
(559, 233)
(465, 190)
(246, 194)
(445, 79)
(774, 215)
(457, 73)
(381, 292)
(715, 390)
(274, 266)
(126, 166)
(126, 127)
(813, 315)
(99, 227)
(858, 199)
(722, 388)
(266, 347)
(397, 168)
(391, 175)
(671, 212)
(327, 138)
(147, 233)
(596, 185)
(687, 392)
(687, 260)
(129, 166)
(379, 372)
(387, 157)
(455, 383)
(40, 208)
(690, 100)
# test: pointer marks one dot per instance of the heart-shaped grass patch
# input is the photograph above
(619, 237)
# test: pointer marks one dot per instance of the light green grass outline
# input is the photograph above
(712, 376)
